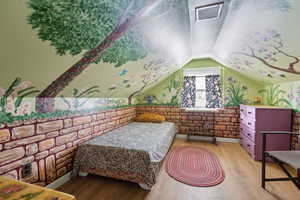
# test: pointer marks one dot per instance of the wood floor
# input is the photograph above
(242, 182)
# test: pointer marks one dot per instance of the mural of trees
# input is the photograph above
(102, 30)
(267, 48)
(152, 72)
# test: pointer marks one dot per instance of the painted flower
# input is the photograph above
(24, 109)
(23, 85)
(173, 92)
(10, 107)
(2, 91)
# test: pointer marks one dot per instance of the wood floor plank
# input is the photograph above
(242, 181)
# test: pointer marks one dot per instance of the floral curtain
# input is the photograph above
(189, 92)
(213, 91)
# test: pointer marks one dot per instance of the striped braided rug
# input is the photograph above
(194, 166)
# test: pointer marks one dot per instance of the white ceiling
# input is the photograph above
(205, 33)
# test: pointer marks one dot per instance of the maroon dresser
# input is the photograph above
(263, 118)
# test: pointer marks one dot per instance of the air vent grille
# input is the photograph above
(212, 11)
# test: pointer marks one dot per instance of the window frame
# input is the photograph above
(203, 72)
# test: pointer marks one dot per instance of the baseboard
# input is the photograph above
(60, 181)
(204, 138)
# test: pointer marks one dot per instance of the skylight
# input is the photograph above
(211, 11)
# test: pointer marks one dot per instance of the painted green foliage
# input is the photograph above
(12, 98)
(80, 98)
(274, 96)
(173, 89)
(170, 93)
(235, 93)
(74, 27)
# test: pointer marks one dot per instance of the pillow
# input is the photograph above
(150, 117)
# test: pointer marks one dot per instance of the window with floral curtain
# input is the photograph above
(202, 88)
(189, 92)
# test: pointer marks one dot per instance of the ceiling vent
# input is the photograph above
(211, 11)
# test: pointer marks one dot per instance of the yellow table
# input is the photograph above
(16, 190)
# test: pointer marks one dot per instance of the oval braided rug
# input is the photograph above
(194, 166)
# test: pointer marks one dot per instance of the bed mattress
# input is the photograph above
(153, 138)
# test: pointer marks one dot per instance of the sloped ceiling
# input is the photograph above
(259, 38)
(205, 33)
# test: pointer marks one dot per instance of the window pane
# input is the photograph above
(200, 92)
(200, 83)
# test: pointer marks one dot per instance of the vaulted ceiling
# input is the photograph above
(259, 38)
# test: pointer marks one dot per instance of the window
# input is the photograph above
(212, 11)
(200, 92)
(202, 88)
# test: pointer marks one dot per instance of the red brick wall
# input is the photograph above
(225, 122)
(50, 144)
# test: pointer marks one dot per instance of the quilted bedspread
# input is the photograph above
(133, 152)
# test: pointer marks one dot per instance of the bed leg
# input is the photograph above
(144, 186)
(82, 173)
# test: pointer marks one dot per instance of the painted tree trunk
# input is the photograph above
(63, 80)
(46, 97)
(135, 93)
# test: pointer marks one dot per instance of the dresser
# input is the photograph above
(254, 119)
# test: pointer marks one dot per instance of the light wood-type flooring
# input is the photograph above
(242, 181)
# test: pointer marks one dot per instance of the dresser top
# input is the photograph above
(266, 107)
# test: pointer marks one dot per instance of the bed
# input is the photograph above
(133, 152)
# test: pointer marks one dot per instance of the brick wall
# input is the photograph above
(50, 144)
(225, 122)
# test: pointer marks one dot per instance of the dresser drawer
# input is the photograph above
(243, 109)
(247, 111)
(244, 130)
(247, 122)
(251, 112)
(248, 145)
(250, 123)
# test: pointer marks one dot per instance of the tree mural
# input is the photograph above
(268, 47)
(102, 30)
(152, 72)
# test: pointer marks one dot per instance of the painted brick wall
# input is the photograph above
(50, 144)
(225, 122)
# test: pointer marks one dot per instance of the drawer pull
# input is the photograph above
(249, 112)
(242, 119)
(241, 128)
(242, 110)
(249, 123)
(248, 134)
